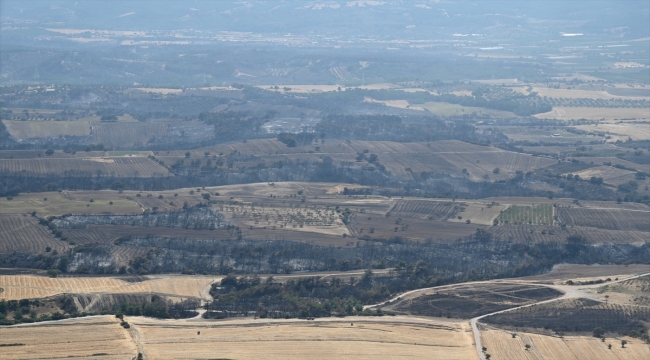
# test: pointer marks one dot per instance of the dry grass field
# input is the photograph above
(99, 337)
(41, 129)
(577, 94)
(384, 338)
(22, 233)
(30, 286)
(623, 130)
(117, 166)
(447, 109)
(478, 213)
(630, 292)
(466, 301)
(501, 345)
(577, 272)
(594, 113)
(610, 175)
(69, 202)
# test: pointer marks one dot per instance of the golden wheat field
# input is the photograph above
(501, 345)
(99, 337)
(383, 338)
(28, 286)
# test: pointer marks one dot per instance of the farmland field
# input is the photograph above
(119, 166)
(537, 233)
(538, 214)
(478, 213)
(610, 175)
(424, 209)
(125, 134)
(577, 94)
(30, 286)
(403, 160)
(382, 338)
(471, 300)
(41, 129)
(625, 130)
(22, 233)
(629, 292)
(612, 219)
(575, 315)
(594, 113)
(501, 345)
(85, 338)
(68, 202)
(447, 109)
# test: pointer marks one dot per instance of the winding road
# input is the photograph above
(569, 292)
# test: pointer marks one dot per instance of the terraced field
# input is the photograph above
(22, 233)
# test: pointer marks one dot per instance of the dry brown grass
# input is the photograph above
(323, 339)
(39, 129)
(29, 286)
(625, 130)
(96, 338)
(610, 175)
(501, 345)
(70, 202)
(593, 113)
(630, 292)
(577, 94)
(479, 213)
(563, 272)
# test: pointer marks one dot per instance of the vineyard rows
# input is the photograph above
(538, 215)
(22, 233)
(119, 166)
(611, 219)
(423, 209)
(126, 133)
(537, 233)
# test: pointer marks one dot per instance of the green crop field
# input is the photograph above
(538, 215)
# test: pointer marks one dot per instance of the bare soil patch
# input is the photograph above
(468, 301)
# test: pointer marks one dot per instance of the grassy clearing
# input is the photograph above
(65, 203)
(536, 215)
(447, 109)
(594, 113)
